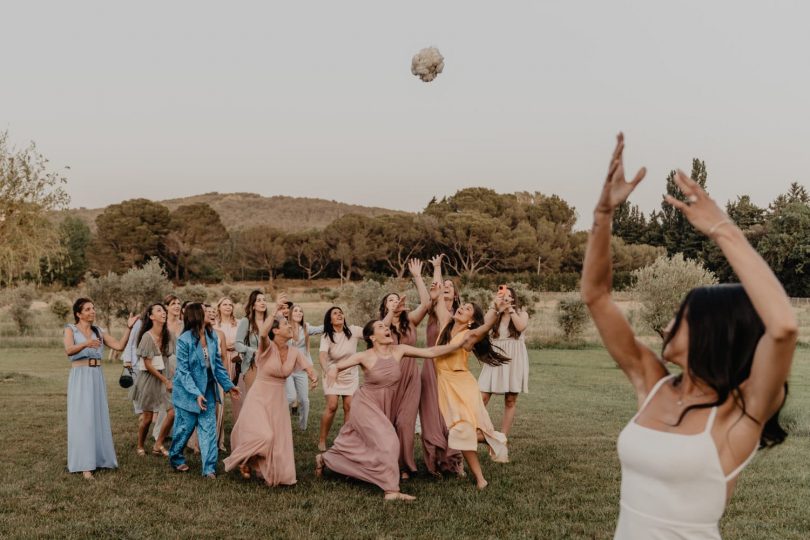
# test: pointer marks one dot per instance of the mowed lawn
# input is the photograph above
(562, 482)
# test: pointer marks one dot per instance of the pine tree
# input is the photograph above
(679, 235)
(629, 223)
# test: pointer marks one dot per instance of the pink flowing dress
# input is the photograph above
(406, 404)
(262, 436)
(367, 447)
(439, 457)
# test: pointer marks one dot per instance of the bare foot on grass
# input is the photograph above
(398, 496)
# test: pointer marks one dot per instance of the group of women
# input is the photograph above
(680, 454)
(265, 357)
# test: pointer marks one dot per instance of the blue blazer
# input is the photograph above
(191, 377)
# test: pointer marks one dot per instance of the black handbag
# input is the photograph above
(126, 380)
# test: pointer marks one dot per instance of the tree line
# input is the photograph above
(487, 236)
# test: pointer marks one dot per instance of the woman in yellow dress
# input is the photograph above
(460, 399)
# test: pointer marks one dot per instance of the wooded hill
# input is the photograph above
(244, 210)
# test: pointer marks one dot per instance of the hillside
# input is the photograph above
(241, 210)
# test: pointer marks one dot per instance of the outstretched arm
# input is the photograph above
(430, 352)
(120, 344)
(490, 318)
(416, 315)
(763, 390)
(437, 290)
(638, 362)
(334, 369)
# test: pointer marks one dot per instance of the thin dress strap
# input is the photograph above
(652, 393)
(710, 422)
(739, 469)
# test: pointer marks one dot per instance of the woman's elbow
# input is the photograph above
(784, 332)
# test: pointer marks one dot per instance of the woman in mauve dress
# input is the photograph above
(367, 447)
(339, 342)
(403, 324)
(439, 458)
(261, 439)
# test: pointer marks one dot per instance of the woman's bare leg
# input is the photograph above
(509, 409)
(471, 457)
(485, 396)
(166, 428)
(143, 427)
(347, 406)
(326, 420)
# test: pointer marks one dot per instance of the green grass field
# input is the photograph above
(563, 481)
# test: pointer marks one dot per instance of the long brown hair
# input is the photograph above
(147, 325)
(484, 350)
(404, 323)
(250, 314)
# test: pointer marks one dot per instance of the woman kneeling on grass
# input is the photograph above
(367, 447)
(90, 443)
(694, 432)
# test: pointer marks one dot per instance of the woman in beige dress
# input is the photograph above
(174, 322)
(339, 342)
(512, 378)
(152, 389)
(262, 438)
(367, 447)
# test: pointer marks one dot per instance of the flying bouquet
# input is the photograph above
(427, 64)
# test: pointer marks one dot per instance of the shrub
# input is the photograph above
(21, 312)
(143, 286)
(361, 299)
(193, 292)
(483, 297)
(106, 294)
(661, 286)
(571, 317)
(60, 308)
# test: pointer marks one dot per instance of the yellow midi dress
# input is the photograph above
(462, 407)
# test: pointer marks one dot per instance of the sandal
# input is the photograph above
(160, 451)
(182, 468)
(244, 470)
(140, 451)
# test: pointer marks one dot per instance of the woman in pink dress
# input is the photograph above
(439, 457)
(367, 447)
(403, 324)
(262, 440)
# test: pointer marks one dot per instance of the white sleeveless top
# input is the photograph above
(673, 486)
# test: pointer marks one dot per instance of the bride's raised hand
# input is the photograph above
(700, 209)
(616, 188)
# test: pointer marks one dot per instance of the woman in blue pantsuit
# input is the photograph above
(199, 369)
(90, 442)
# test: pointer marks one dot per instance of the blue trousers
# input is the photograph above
(206, 424)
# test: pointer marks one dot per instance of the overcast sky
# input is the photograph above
(167, 99)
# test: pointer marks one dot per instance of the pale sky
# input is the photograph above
(168, 99)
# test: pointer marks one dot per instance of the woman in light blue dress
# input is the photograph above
(90, 443)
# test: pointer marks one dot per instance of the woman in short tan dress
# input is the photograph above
(339, 342)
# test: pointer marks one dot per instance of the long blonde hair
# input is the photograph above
(219, 313)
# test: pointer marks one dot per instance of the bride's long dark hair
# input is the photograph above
(484, 350)
(724, 330)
